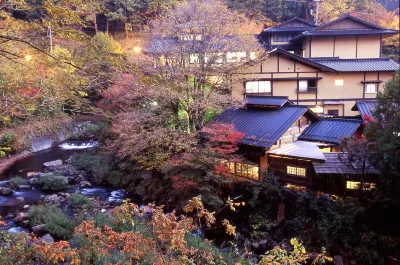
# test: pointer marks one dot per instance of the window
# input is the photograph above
(339, 82)
(303, 85)
(252, 56)
(243, 170)
(258, 87)
(371, 88)
(333, 112)
(298, 171)
(283, 36)
(190, 37)
(354, 185)
(234, 57)
(193, 58)
(307, 85)
(325, 149)
(317, 109)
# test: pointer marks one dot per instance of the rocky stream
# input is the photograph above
(16, 200)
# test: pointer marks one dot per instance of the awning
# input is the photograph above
(300, 149)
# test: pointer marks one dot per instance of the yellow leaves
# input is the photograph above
(232, 204)
(230, 229)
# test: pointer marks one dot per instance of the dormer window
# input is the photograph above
(190, 37)
(283, 36)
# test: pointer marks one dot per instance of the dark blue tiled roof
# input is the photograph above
(335, 32)
(330, 130)
(295, 24)
(262, 127)
(266, 101)
(358, 65)
(371, 29)
(365, 108)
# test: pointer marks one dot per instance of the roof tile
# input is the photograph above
(330, 130)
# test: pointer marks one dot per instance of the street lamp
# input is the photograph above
(28, 57)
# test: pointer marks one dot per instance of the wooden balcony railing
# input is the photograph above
(309, 90)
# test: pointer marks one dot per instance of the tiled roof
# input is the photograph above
(300, 149)
(370, 29)
(262, 127)
(265, 101)
(336, 164)
(330, 130)
(300, 59)
(366, 108)
(295, 24)
(358, 65)
(335, 32)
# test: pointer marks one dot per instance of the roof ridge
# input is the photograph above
(350, 59)
(348, 15)
(341, 119)
(310, 24)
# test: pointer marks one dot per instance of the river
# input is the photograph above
(35, 162)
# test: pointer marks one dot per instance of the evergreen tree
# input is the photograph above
(384, 133)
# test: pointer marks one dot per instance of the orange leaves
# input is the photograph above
(159, 240)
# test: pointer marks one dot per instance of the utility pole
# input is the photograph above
(50, 35)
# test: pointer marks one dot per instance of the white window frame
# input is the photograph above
(258, 86)
(368, 86)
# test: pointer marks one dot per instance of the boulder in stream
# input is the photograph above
(24, 187)
(31, 174)
(54, 163)
(85, 184)
(5, 191)
(21, 217)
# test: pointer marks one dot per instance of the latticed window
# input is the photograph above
(354, 185)
(371, 88)
(243, 170)
(258, 87)
(298, 171)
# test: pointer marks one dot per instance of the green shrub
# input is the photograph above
(52, 182)
(97, 165)
(8, 139)
(16, 181)
(57, 223)
(77, 200)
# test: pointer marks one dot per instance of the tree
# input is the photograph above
(383, 134)
(203, 32)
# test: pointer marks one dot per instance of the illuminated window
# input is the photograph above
(339, 82)
(258, 87)
(317, 109)
(371, 88)
(303, 85)
(298, 171)
(354, 185)
(325, 149)
(243, 170)
(190, 37)
(252, 56)
(193, 58)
